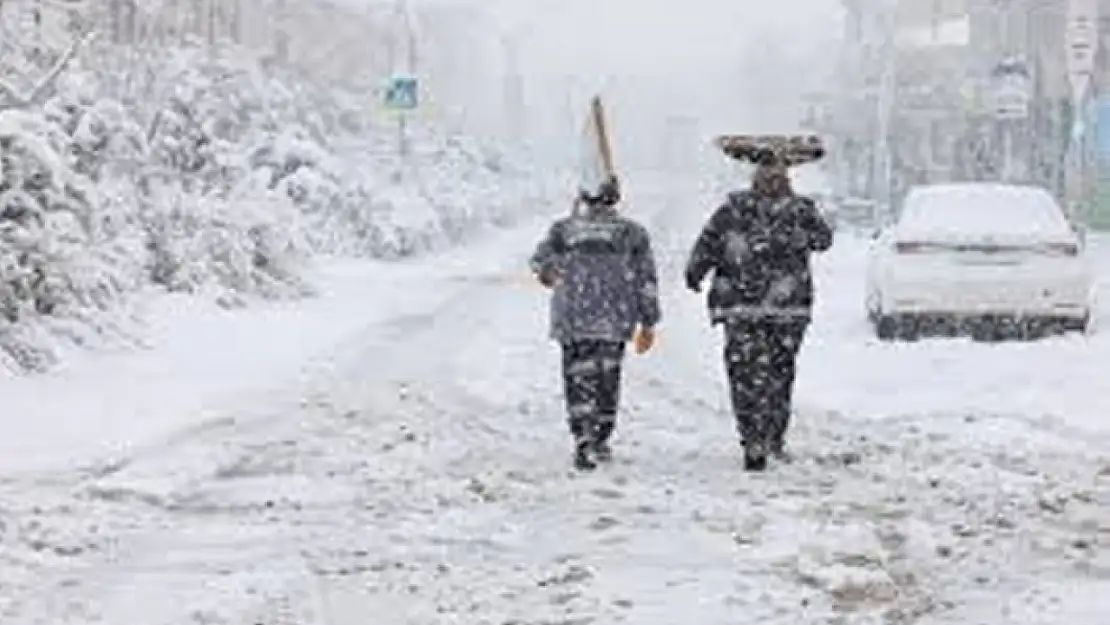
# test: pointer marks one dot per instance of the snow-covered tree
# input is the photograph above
(204, 168)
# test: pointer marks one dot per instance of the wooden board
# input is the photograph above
(788, 150)
(595, 150)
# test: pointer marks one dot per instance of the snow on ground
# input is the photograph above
(846, 369)
(207, 361)
(416, 472)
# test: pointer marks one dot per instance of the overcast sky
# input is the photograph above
(702, 51)
(649, 36)
(732, 65)
(682, 42)
(660, 36)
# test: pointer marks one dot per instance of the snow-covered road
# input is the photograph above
(416, 472)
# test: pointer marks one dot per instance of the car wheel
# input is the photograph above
(909, 328)
(1082, 326)
(886, 327)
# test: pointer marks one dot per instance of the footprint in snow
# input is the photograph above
(604, 522)
(607, 493)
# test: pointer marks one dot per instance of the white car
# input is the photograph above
(976, 256)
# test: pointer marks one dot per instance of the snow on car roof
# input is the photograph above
(982, 210)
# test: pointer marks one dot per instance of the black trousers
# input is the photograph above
(761, 362)
(592, 385)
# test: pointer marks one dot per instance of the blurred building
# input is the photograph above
(1099, 216)
(856, 119)
(946, 63)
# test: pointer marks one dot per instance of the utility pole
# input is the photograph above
(1082, 43)
(402, 62)
(883, 162)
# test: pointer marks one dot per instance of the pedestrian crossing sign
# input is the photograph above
(401, 92)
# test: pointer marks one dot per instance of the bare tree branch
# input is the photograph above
(18, 100)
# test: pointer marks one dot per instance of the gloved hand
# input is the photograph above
(547, 278)
(644, 339)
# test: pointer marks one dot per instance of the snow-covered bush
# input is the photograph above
(230, 247)
(57, 258)
(205, 174)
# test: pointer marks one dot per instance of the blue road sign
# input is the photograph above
(401, 93)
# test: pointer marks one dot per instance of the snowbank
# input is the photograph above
(202, 173)
(207, 366)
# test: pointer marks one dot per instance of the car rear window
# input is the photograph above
(964, 210)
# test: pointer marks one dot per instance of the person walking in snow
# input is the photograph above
(758, 245)
(601, 268)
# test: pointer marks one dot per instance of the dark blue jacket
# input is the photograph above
(758, 249)
(605, 276)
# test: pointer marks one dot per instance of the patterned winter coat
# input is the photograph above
(605, 280)
(758, 249)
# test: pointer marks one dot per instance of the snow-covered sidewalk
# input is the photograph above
(205, 365)
(418, 474)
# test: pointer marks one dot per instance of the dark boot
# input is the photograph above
(755, 457)
(602, 451)
(755, 463)
(582, 460)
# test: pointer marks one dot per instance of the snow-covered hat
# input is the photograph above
(772, 150)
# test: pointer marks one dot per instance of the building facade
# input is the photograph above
(944, 61)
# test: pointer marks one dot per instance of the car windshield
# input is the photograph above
(980, 211)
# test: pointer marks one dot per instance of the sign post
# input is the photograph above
(1011, 85)
(1082, 41)
(401, 95)
(401, 91)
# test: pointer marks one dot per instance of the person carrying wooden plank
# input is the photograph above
(601, 269)
(758, 245)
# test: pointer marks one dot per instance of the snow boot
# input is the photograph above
(755, 457)
(755, 462)
(602, 451)
(602, 433)
(582, 460)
